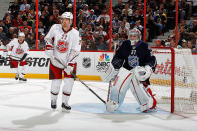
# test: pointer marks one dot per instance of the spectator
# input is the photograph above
(184, 44)
(18, 21)
(23, 6)
(119, 7)
(2, 35)
(10, 33)
(92, 15)
(158, 43)
(41, 27)
(123, 29)
(31, 41)
(85, 11)
(14, 8)
(102, 45)
(24, 26)
(82, 29)
(25, 12)
(116, 24)
(41, 43)
(105, 16)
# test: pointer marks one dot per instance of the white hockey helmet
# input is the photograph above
(137, 32)
(67, 15)
(22, 34)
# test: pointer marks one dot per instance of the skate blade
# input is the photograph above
(65, 110)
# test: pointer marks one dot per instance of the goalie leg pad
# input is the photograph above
(143, 95)
(120, 87)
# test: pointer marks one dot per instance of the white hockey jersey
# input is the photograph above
(66, 45)
(16, 50)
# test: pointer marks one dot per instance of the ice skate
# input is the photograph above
(66, 107)
(16, 77)
(53, 105)
(22, 79)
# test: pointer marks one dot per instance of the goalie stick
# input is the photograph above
(83, 83)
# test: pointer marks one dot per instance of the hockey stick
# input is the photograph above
(19, 60)
(14, 56)
(82, 83)
(88, 88)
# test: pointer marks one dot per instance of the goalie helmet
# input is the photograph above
(135, 32)
(67, 15)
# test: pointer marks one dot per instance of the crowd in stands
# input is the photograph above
(160, 17)
(187, 26)
(187, 29)
(93, 21)
(20, 17)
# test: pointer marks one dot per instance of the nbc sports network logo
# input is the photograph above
(103, 63)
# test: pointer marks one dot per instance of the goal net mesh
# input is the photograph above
(185, 80)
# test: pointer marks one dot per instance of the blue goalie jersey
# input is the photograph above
(129, 56)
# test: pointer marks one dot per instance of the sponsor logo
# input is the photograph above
(86, 62)
(166, 67)
(103, 63)
(32, 62)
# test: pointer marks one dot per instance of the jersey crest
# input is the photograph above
(19, 51)
(62, 46)
(133, 61)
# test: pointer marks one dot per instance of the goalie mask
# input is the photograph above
(134, 36)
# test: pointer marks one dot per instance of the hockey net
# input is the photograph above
(175, 80)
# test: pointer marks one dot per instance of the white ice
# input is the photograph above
(26, 107)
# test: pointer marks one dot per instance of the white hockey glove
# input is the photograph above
(111, 106)
(49, 51)
(69, 69)
(109, 74)
(143, 73)
(8, 53)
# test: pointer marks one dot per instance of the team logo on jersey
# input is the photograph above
(86, 62)
(133, 61)
(62, 46)
(19, 51)
(103, 63)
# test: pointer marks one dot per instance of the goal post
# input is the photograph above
(174, 80)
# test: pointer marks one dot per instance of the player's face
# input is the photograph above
(66, 23)
(21, 39)
(133, 37)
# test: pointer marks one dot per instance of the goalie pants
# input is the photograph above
(127, 80)
(55, 74)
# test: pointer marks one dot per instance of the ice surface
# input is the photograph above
(25, 106)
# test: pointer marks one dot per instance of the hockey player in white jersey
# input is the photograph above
(62, 46)
(17, 50)
(131, 68)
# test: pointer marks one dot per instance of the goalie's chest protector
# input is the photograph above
(133, 55)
